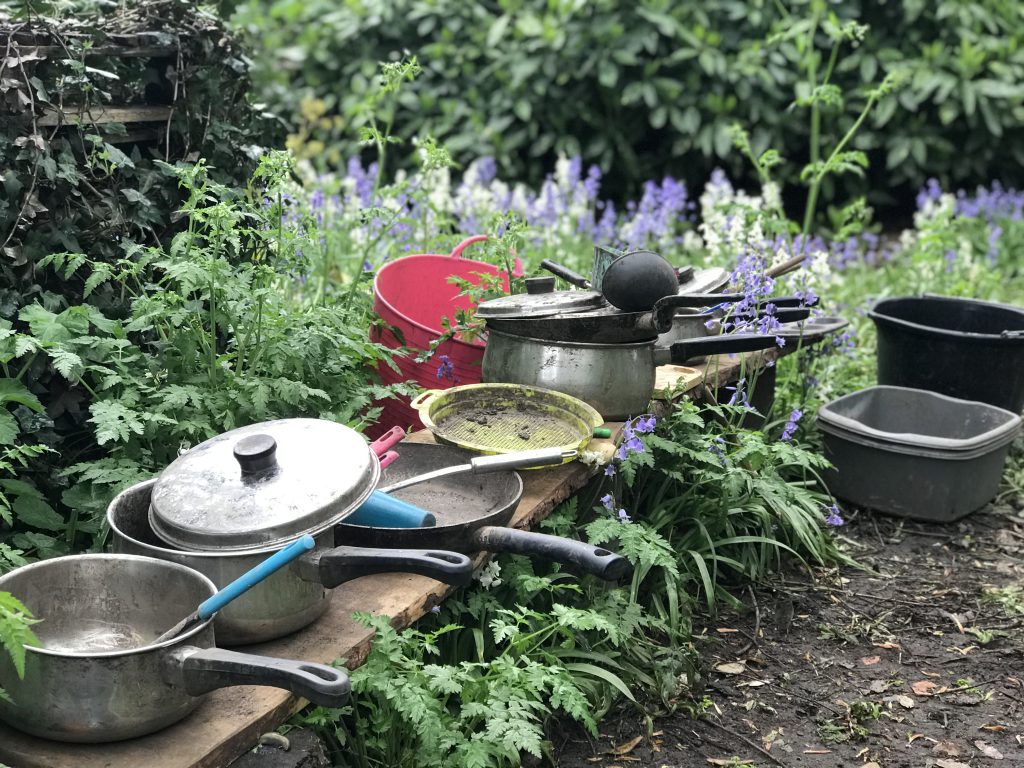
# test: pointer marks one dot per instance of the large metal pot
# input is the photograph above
(97, 676)
(616, 379)
(287, 600)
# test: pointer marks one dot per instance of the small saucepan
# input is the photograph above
(98, 675)
(472, 513)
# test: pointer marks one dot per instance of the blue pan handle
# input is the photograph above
(253, 577)
(384, 511)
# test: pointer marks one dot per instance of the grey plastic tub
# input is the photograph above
(914, 453)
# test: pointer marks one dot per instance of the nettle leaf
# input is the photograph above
(35, 512)
(9, 428)
(115, 422)
(13, 391)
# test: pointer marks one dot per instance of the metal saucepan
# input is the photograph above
(616, 379)
(472, 513)
(99, 677)
(606, 325)
(631, 281)
(289, 599)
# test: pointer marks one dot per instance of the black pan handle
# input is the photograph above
(728, 343)
(789, 301)
(332, 567)
(201, 670)
(595, 560)
(575, 278)
(783, 315)
(659, 319)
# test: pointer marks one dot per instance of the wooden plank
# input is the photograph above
(230, 721)
(102, 115)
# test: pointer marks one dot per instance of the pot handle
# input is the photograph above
(575, 278)
(423, 400)
(458, 249)
(659, 319)
(595, 560)
(201, 670)
(682, 351)
(332, 567)
(387, 441)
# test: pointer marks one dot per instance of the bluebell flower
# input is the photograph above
(623, 517)
(717, 449)
(790, 428)
(833, 517)
(609, 471)
(645, 425)
(446, 369)
(607, 501)
(739, 395)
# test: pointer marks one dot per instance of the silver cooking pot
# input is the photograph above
(97, 676)
(225, 505)
(616, 379)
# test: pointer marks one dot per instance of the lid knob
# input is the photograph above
(256, 454)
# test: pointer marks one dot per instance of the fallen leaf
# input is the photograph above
(817, 751)
(752, 684)
(923, 687)
(912, 737)
(905, 701)
(625, 749)
(887, 646)
(947, 749)
(721, 761)
(878, 686)
(872, 764)
(995, 727)
(988, 750)
(868, 661)
(726, 630)
(950, 764)
(732, 668)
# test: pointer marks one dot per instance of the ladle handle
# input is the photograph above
(575, 278)
(383, 511)
(595, 560)
(254, 576)
(207, 669)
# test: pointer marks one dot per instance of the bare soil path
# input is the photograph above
(915, 663)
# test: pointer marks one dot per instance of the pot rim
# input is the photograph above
(142, 649)
(631, 345)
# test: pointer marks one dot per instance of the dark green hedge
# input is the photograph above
(651, 86)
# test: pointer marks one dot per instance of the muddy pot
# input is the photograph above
(97, 677)
(287, 600)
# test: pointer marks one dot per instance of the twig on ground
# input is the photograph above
(768, 755)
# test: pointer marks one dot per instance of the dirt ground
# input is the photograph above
(916, 663)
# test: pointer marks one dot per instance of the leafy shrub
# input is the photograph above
(652, 87)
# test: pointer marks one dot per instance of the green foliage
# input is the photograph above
(649, 88)
(211, 341)
(15, 632)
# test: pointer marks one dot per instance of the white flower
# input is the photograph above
(488, 575)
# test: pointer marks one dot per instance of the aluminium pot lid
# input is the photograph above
(263, 485)
(708, 280)
(540, 304)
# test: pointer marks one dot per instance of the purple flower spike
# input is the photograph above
(646, 425)
(446, 370)
(790, 429)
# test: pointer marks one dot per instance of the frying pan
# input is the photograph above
(610, 326)
(472, 512)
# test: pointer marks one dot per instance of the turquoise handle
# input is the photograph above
(253, 577)
(384, 511)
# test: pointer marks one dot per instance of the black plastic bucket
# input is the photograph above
(973, 350)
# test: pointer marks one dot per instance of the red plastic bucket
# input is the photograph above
(413, 295)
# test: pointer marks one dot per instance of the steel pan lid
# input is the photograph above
(708, 280)
(263, 485)
(540, 304)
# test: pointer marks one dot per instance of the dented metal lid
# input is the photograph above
(263, 485)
